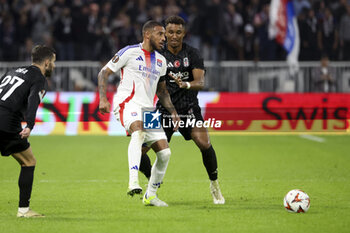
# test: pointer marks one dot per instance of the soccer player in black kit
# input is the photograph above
(185, 76)
(21, 91)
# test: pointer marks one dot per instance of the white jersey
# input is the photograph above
(140, 73)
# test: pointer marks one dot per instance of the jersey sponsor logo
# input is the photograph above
(182, 75)
(115, 59)
(177, 63)
(41, 94)
(170, 65)
(186, 63)
(139, 58)
(159, 63)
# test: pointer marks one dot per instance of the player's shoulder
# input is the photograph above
(128, 49)
(160, 55)
(191, 50)
(30, 72)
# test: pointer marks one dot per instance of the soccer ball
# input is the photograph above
(296, 201)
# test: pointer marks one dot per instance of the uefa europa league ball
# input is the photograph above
(296, 201)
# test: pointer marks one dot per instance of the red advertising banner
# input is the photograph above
(281, 112)
(76, 113)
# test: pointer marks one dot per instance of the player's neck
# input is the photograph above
(147, 47)
(175, 50)
(42, 69)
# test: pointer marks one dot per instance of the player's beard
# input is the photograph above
(154, 44)
(48, 71)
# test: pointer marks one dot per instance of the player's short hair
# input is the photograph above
(175, 20)
(41, 52)
(149, 25)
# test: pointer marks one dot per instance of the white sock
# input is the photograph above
(158, 171)
(134, 155)
(23, 209)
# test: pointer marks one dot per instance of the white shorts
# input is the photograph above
(129, 113)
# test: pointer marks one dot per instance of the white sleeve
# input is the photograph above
(164, 68)
(118, 61)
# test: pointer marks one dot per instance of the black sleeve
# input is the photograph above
(196, 60)
(36, 90)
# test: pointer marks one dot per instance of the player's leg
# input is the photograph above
(145, 164)
(201, 137)
(25, 182)
(134, 156)
(159, 167)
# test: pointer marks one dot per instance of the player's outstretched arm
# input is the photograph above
(103, 75)
(164, 98)
(196, 84)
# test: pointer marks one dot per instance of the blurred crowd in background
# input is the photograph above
(221, 29)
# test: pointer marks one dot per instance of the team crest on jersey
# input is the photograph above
(159, 63)
(41, 94)
(115, 59)
(177, 63)
(186, 63)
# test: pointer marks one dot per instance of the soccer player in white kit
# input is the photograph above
(142, 68)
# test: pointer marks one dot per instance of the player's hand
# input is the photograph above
(178, 81)
(25, 133)
(104, 106)
(176, 120)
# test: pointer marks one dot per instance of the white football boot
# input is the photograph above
(153, 201)
(30, 214)
(216, 193)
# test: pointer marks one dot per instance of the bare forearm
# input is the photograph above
(196, 85)
(198, 80)
(165, 100)
(102, 83)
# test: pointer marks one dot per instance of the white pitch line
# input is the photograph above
(313, 138)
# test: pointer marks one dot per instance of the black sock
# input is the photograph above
(25, 183)
(145, 166)
(210, 163)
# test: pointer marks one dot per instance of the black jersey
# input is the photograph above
(181, 65)
(21, 91)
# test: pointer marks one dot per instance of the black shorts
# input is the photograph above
(192, 113)
(12, 143)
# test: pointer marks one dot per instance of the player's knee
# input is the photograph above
(145, 149)
(202, 143)
(139, 135)
(30, 162)
(164, 155)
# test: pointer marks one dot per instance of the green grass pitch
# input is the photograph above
(81, 182)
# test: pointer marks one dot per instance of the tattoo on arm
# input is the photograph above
(102, 82)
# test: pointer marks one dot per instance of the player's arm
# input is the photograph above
(196, 84)
(103, 75)
(32, 107)
(164, 98)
